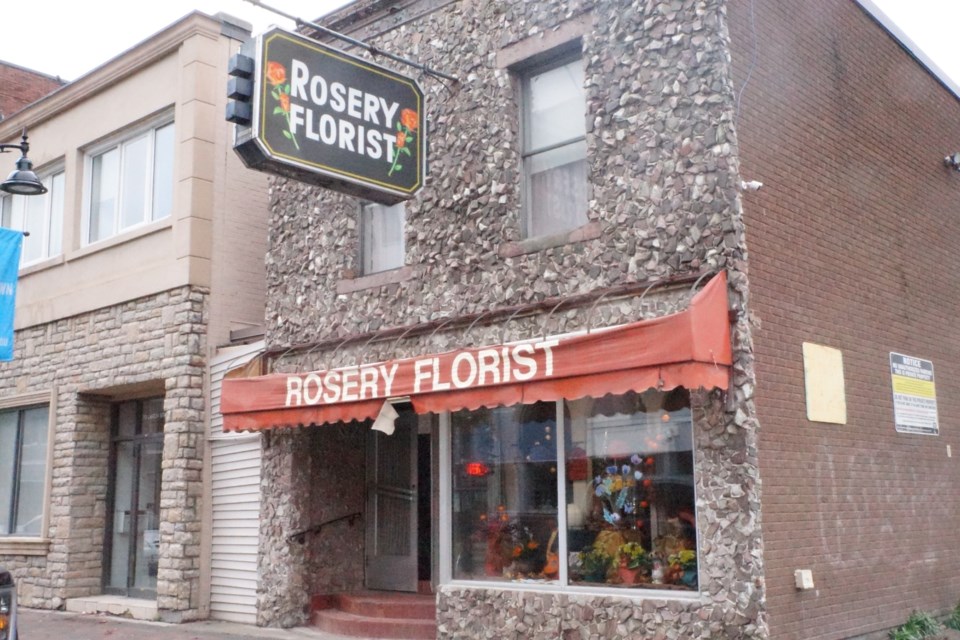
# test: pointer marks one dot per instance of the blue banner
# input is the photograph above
(10, 242)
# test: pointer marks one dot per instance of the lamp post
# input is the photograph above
(22, 180)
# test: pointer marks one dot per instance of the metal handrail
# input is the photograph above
(301, 536)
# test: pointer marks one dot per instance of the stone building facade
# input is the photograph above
(658, 95)
(682, 102)
(126, 288)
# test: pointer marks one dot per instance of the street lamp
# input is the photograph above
(22, 180)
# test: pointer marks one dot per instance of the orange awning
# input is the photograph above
(688, 349)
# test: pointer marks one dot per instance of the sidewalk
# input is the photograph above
(38, 624)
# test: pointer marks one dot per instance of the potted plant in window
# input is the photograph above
(595, 564)
(683, 567)
(634, 563)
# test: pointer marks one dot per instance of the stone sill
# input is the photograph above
(24, 546)
(598, 591)
(589, 231)
(394, 276)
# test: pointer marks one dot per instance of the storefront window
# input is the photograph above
(630, 498)
(627, 486)
(505, 493)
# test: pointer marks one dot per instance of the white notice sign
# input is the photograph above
(914, 395)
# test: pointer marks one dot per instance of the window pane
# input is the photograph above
(56, 187)
(8, 447)
(382, 241)
(163, 173)
(103, 196)
(505, 493)
(630, 511)
(6, 212)
(556, 106)
(34, 222)
(134, 186)
(153, 416)
(33, 471)
(557, 189)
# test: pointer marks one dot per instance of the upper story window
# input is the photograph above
(554, 147)
(41, 216)
(23, 470)
(381, 237)
(129, 183)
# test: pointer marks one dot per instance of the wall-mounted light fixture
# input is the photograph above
(953, 161)
(22, 181)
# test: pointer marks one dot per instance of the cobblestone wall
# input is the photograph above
(663, 172)
(328, 483)
(152, 346)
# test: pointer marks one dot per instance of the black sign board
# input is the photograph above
(329, 118)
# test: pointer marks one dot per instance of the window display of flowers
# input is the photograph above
(617, 487)
(513, 551)
(683, 567)
(595, 564)
(685, 559)
(634, 556)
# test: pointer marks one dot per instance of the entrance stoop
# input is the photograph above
(385, 615)
(115, 605)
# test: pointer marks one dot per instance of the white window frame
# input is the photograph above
(119, 142)
(19, 209)
(526, 72)
(370, 254)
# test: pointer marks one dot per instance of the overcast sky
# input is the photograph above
(68, 38)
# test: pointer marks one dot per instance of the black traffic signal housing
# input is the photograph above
(240, 90)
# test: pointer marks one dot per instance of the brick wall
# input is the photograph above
(852, 244)
(19, 87)
(149, 346)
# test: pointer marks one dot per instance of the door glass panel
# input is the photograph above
(138, 450)
(152, 416)
(148, 516)
(122, 515)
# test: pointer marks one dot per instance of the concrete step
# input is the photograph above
(392, 605)
(351, 624)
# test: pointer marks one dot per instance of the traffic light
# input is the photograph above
(240, 90)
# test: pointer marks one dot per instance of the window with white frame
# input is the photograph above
(129, 183)
(554, 147)
(23, 470)
(381, 237)
(581, 493)
(40, 216)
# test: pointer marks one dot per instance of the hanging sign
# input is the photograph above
(328, 118)
(914, 395)
(10, 243)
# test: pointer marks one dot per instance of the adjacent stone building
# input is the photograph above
(579, 427)
(144, 256)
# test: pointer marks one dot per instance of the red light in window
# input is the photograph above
(477, 469)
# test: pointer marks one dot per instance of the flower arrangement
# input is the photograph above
(595, 564)
(633, 555)
(685, 559)
(617, 489)
(513, 543)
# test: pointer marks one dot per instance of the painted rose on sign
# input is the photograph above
(276, 75)
(406, 136)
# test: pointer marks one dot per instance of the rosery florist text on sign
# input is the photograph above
(328, 118)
